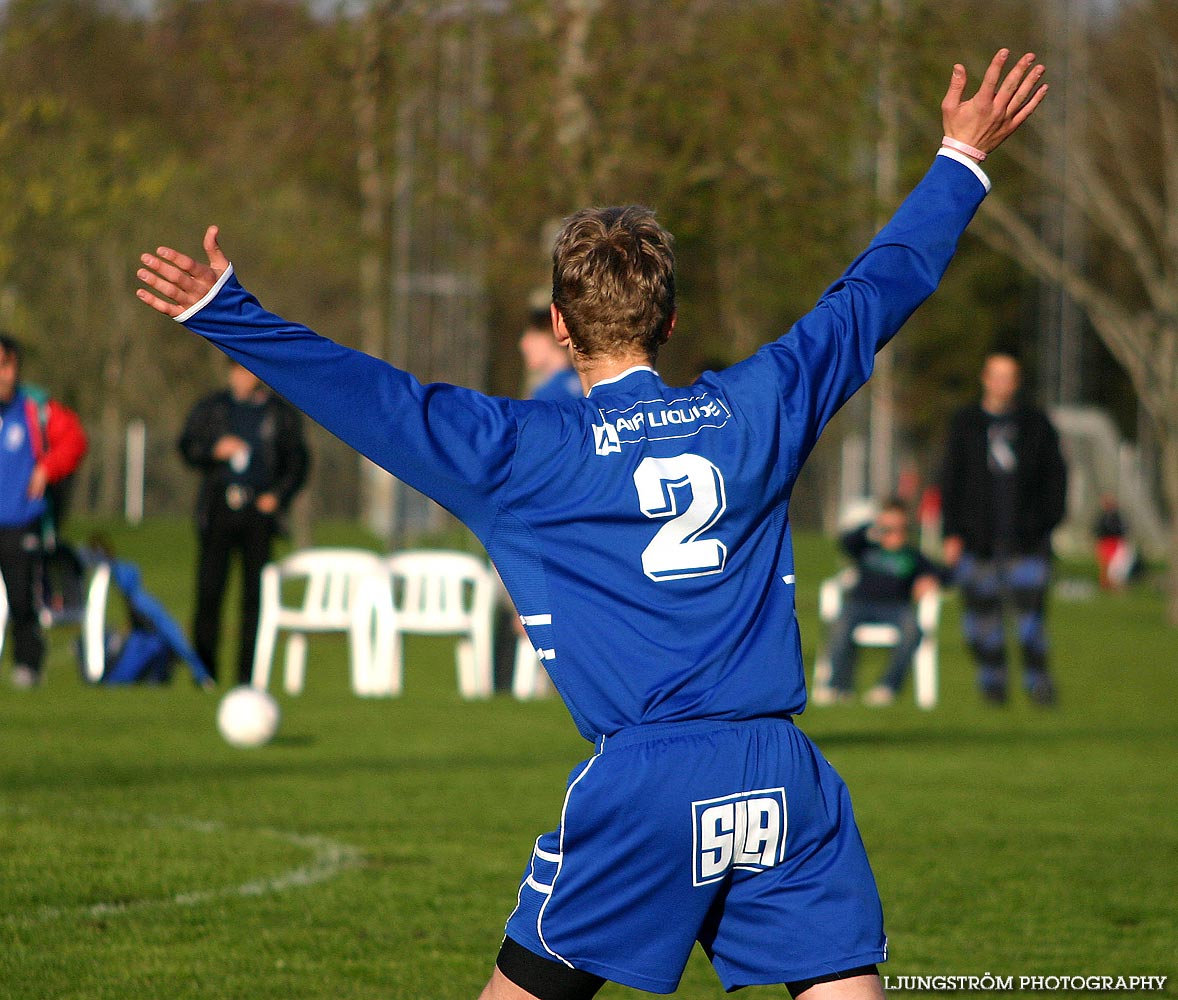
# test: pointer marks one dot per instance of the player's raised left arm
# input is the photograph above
(451, 443)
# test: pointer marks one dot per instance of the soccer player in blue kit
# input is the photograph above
(642, 533)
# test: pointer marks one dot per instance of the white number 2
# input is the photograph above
(664, 485)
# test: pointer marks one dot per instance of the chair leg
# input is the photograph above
(464, 653)
(385, 671)
(296, 663)
(924, 674)
(263, 654)
(525, 675)
(360, 668)
(482, 666)
(390, 657)
(361, 651)
(474, 668)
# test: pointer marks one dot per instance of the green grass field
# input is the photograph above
(372, 850)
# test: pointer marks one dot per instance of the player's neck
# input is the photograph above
(594, 370)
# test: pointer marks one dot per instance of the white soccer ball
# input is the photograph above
(247, 717)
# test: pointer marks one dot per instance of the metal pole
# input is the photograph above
(882, 420)
(136, 458)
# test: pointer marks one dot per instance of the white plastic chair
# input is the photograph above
(883, 636)
(430, 592)
(94, 623)
(330, 579)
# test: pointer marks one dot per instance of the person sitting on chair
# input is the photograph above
(892, 576)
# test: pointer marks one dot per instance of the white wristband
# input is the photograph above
(963, 147)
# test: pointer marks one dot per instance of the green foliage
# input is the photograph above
(374, 848)
(751, 131)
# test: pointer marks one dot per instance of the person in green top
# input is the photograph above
(892, 575)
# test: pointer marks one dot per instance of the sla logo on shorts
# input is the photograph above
(745, 830)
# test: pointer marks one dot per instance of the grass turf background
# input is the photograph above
(374, 847)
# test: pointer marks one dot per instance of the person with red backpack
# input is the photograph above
(41, 443)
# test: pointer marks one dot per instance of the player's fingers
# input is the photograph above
(160, 270)
(158, 304)
(217, 259)
(989, 83)
(1029, 107)
(1016, 77)
(179, 260)
(956, 88)
(1026, 88)
(182, 270)
(158, 282)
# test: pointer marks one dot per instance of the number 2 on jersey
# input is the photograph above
(689, 490)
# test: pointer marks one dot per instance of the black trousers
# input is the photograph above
(20, 555)
(248, 534)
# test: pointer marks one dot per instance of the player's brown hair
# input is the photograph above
(613, 280)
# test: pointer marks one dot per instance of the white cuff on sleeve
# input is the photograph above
(969, 162)
(196, 307)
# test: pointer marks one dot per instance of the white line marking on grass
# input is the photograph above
(329, 858)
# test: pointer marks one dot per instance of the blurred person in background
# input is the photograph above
(1003, 490)
(550, 370)
(891, 575)
(41, 443)
(248, 445)
(1116, 555)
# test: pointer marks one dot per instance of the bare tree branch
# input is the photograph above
(1110, 122)
(1087, 190)
(1166, 65)
(1004, 229)
(1093, 195)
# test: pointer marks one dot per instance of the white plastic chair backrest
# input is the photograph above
(333, 577)
(438, 592)
(94, 623)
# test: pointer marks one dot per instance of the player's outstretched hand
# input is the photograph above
(995, 111)
(177, 281)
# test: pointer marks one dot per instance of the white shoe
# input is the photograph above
(824, 696)
(879, 696)
(23, 678)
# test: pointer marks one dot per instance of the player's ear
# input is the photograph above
(560, 329)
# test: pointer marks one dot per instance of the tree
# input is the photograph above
(1121, 174)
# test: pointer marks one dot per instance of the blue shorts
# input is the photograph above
(737, 835)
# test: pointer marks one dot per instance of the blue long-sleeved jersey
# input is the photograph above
(642, 532)
(18, 458)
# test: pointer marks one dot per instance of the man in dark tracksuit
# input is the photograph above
(249, 446)
(1004, 485)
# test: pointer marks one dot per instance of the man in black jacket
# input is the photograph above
(1004, 485)
(248, 445)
